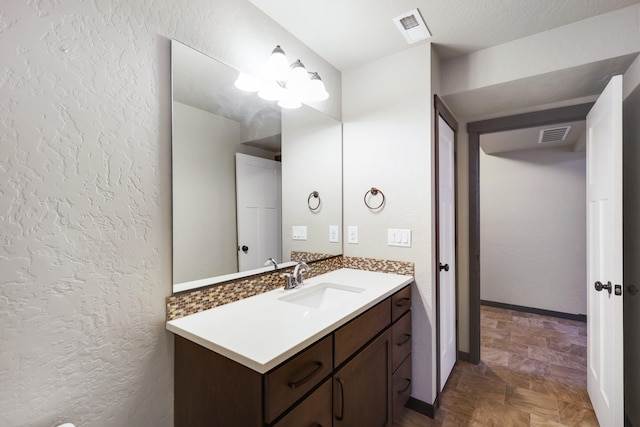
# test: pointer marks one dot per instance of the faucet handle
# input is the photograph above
(289, 280)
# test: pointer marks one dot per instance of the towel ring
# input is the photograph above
(374, 192)
(315, 195)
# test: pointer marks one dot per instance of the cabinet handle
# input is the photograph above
(298, 383)
(407, 337)
(341, 417)
(402, 301)
(405, 387)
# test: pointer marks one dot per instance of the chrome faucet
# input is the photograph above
(295, 279)
(289, 282)
(301, 267)
(271, 261)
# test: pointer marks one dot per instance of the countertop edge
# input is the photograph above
(267, 366)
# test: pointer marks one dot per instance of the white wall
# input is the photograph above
(85, 198)
(631, 237)
(388, 145)
(533, 229)
(311, 161)
(204, 192)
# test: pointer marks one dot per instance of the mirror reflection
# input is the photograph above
(243, 172)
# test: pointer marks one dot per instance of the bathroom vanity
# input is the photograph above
(334, 352)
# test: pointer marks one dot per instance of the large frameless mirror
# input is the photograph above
(251, 181)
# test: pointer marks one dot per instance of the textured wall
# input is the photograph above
(533, 229)
(85, 261)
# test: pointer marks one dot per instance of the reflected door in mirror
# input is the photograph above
(258, 200)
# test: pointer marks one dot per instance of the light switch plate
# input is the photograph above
(299, 232)
(399, 237)
(334, 234)
(352, 234)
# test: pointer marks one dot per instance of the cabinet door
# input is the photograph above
(362, 387)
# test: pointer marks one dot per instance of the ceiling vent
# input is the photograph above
(557, 134)
(412, 26)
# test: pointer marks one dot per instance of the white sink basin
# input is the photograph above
(322, 296)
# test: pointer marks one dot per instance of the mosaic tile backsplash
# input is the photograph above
(191, 302)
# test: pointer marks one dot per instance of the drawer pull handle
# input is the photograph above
(407, 337)
(298, 383)
(341, 416)
(406, 386)
(402, 301)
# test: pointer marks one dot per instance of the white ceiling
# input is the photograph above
(347, 33)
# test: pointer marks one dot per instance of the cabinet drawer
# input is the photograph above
(401, 388)
(401, 339)
(314, 411)
(400, 303)
(294, 378)
(355, 334)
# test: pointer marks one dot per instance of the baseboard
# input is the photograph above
(464, 356)
(558, 314)
(422, 407)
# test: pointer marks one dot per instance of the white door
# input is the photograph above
(604, 256)
(258, 210)
(447, 255)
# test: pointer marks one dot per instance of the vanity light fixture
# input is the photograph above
(290, 85)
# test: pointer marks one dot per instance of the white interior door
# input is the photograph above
(259, 213)
(604, 256)
(447, 255)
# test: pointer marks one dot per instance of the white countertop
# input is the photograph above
(262, 331)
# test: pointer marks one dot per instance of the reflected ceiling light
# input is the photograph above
(289, 100)
(248, 83)
(290, 85)
(278, 65)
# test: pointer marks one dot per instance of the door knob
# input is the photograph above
(632, 289)
(244, 248)
(444, 267)
(599, 286)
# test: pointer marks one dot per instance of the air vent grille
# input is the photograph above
(556, 134)
(412, 26)
(409, 22)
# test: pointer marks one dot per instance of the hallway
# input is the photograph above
(533, 373)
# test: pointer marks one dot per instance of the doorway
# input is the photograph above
(475, 129)
(446, 127)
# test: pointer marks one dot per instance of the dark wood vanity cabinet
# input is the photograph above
(362, 387)
(358, 375)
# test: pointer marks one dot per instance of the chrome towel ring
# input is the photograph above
(315, 195)
(374, 192)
